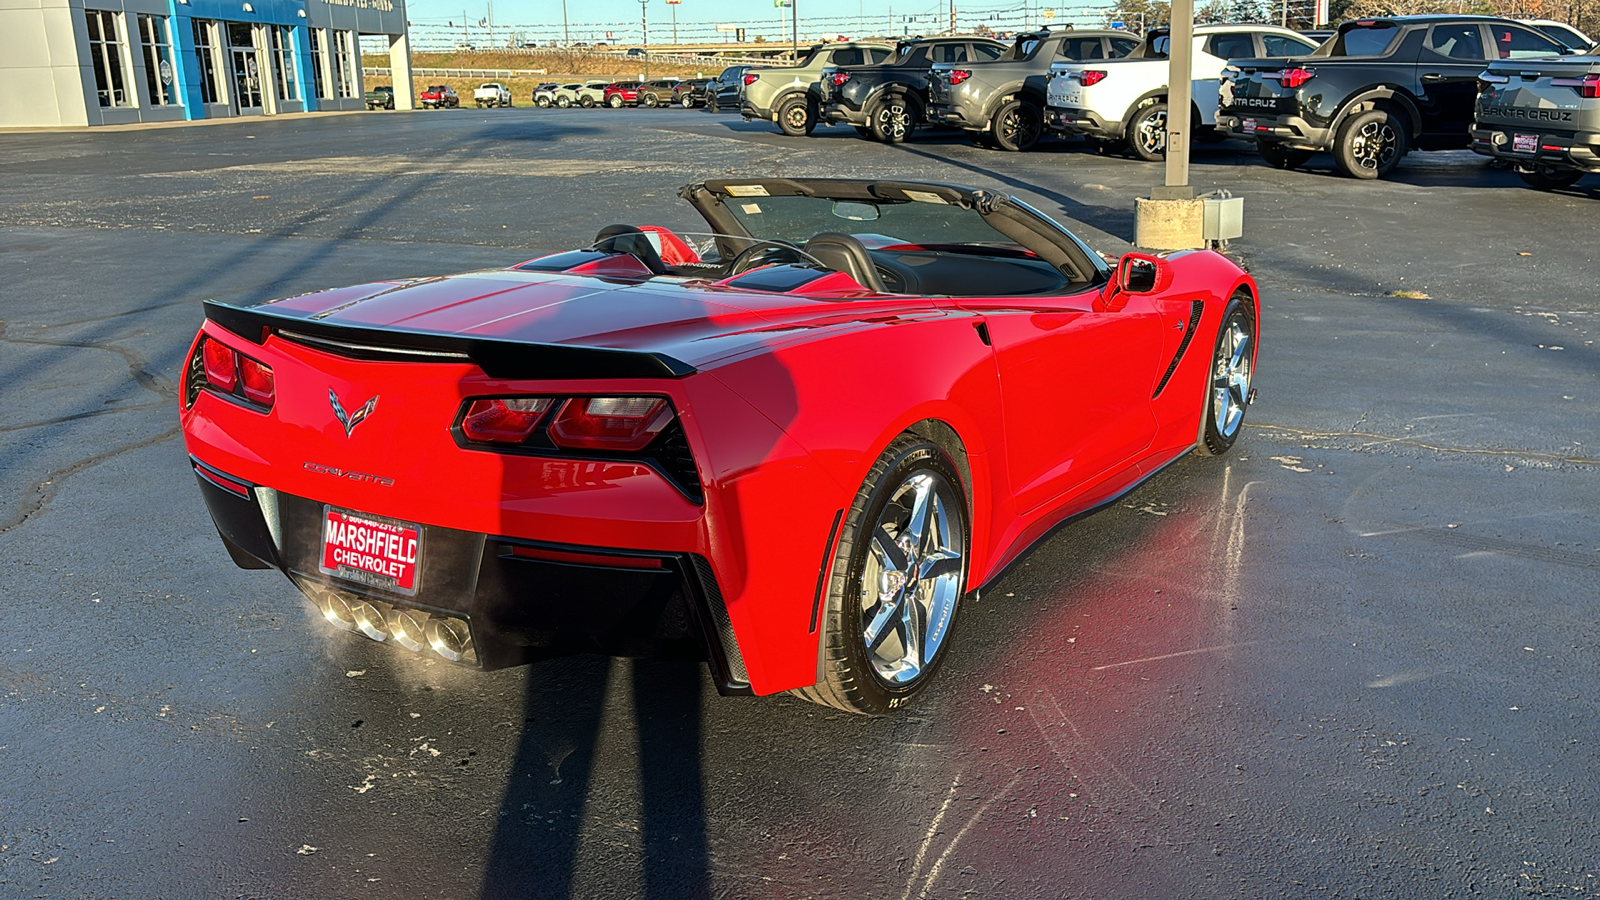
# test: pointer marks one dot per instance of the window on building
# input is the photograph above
(283, 63)
(344, 84)
(105, 51)
(205, 50)
(158, 74)
(319, 58)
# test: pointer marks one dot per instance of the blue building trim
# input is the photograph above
(306, 66)
(187, 71)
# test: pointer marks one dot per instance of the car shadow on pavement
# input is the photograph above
(562, 765)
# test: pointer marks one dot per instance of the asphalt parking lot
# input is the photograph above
(1354, 658)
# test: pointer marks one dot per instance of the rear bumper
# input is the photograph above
(1291, 131)
(955, 116)
(1066, 120)
(523, 599)
(1578, 151)
(841, 112)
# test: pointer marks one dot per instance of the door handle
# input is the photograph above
(1432, 78)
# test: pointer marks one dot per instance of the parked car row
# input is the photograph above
(1370, 92)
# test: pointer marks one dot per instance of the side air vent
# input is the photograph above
(1195, 309)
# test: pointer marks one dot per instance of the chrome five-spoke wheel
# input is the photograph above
(895, 582)
(1228, 393)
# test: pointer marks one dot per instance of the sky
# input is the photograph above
(436, 21)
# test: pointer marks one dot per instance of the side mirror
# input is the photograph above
(1136, 273)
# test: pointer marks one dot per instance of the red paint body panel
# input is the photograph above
(793, 398)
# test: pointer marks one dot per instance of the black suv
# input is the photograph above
(1374, 91)
(722, 94)
(887, 101)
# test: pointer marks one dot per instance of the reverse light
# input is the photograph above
(504, 420)
(1293, 78)
(957, 76)
(610, 423)
(1090, 77)
(749, 79)
(839, 78)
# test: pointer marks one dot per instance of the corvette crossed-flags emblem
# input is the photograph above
(351, 420)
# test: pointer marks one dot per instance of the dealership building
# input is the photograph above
(115, 62)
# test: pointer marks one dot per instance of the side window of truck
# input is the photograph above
(1277, 46)
(1511, 42)
(986, 52)
(1081, 48)
(1121, 47)
(1231, 46)
(877, 55)
(1458, 41)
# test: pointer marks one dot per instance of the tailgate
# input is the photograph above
(1547, 95)
(1256, 87)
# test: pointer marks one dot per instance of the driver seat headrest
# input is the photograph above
(632, 240)
(845, 253)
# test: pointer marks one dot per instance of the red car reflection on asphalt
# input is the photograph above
(791, 446)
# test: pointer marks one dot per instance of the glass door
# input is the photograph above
(246, 68)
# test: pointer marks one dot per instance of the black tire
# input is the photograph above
(586, 102)
(1147, 132)
(893, 119)
(796, 118)
(1550, 179)
(542, 102)
(648, 101)
(1016, 126)
(1370, 144)
(1228, 391)
(615, 102)
(687, 101)
(1280, 157)
(711, 104)
(878, 535)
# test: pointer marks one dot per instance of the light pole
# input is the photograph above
(674, 5)
(566, 32)
(644, 20)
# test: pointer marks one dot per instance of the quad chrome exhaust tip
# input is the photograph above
(448, 637)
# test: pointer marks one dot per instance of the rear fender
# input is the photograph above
(1015, 91)
(1381, 95)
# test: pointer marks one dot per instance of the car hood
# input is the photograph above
(695, 323)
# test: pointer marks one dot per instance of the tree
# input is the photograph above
(1245, 11)
(1140, 14)
(1213, 11)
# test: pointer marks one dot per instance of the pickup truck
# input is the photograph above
(1121, 104)
(491, 93)
(439, 96)
(885, 102)
(381, 97)
(1543, 116)
(788, 95)
(1002, 101)
(1373, 91)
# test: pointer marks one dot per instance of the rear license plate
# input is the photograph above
(1525, 143)
(371, 550)
(1248, 126)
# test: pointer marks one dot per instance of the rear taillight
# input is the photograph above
(1587, 87)
(957, 76)
(749, 80)
(504, 420)
(1293, 78)
(610, 423)
(1092, 76)
(839, 78)
(222, 365)
(230, 372)
(255, 380)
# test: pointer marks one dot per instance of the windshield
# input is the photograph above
(797, 219)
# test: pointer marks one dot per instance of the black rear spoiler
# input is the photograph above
(497, 357)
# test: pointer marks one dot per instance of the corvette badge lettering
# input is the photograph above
(351, 420)
(335, 471)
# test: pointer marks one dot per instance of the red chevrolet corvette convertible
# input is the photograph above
(792, 446)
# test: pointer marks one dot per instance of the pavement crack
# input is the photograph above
(46, 490)
(137, 366)
(93, 413)
(1493, 452)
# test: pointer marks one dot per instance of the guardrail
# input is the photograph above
(484, 74)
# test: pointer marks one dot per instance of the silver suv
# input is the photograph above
(788, 95)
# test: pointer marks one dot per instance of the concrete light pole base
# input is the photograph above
(1169, 224)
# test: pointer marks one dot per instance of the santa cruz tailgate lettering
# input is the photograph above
(373, 551)
(1525, 114)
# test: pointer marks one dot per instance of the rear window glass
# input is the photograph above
(877, 55)
(1565, 36)
(1459, 41)
(1121, 47)
(1368, 41)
